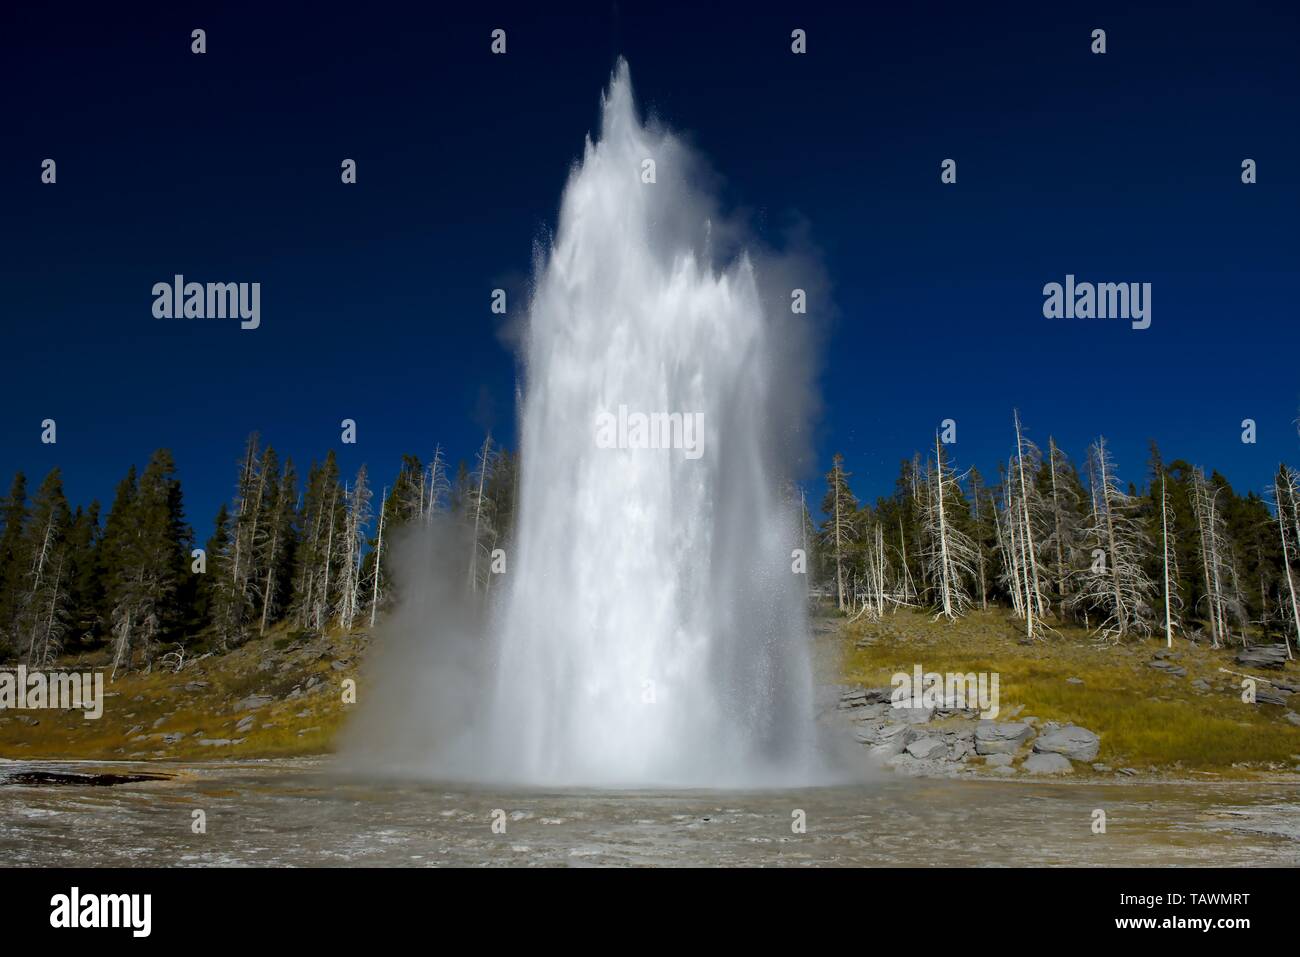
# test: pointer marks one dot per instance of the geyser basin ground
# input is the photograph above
(297, 813)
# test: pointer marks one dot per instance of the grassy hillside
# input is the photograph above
(277, 696)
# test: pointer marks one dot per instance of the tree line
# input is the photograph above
(1057, 544)
(311, 554)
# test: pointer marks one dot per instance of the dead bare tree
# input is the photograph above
(950, 552)
(1222, 596)
(1169, 563)
(1117, 585)
(1286, 493)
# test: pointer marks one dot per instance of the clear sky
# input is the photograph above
(1122, 167)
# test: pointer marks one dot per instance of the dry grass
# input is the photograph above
(140, 709)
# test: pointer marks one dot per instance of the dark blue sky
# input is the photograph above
(1122, 167)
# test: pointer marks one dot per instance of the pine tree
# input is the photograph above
(276, 543)
(150, 546)
(85, 586)
(318, 518)
(13, 513)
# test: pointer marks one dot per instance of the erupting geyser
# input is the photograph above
(652, 631)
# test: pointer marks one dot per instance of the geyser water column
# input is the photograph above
(652, 632)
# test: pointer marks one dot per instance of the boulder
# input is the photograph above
(253, 702)
(892, 739)
(1071, 741)
(1267, 694)
(1001, 737)
(926, 748)
(909, 715)
(1048, 764)
(1168, 667)
(998, 760)
(1263, 656)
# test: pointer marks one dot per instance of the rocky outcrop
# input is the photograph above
(1263, 656)
(1001, 737)
(948, 742)
(1071, 741)
(1040, 763)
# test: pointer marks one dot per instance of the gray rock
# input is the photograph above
(1048, 764)
(253, 702)
(1005, 769)
(926, 748)
(1265, 694)
(215, 742)
(1075, 743)
(1001, 737)
(892, 739)
(196, 686)
(1101, 767)
(1292, 717)
(1168, 667)
(866, 733)
(870, 712)
(245, 724)
(1069, 681)
(342, 666)
(173, 737)
(27, 720)
(1200, 684)
(1263, 656)
(913, 715)
(853, 698)
(999, 760)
